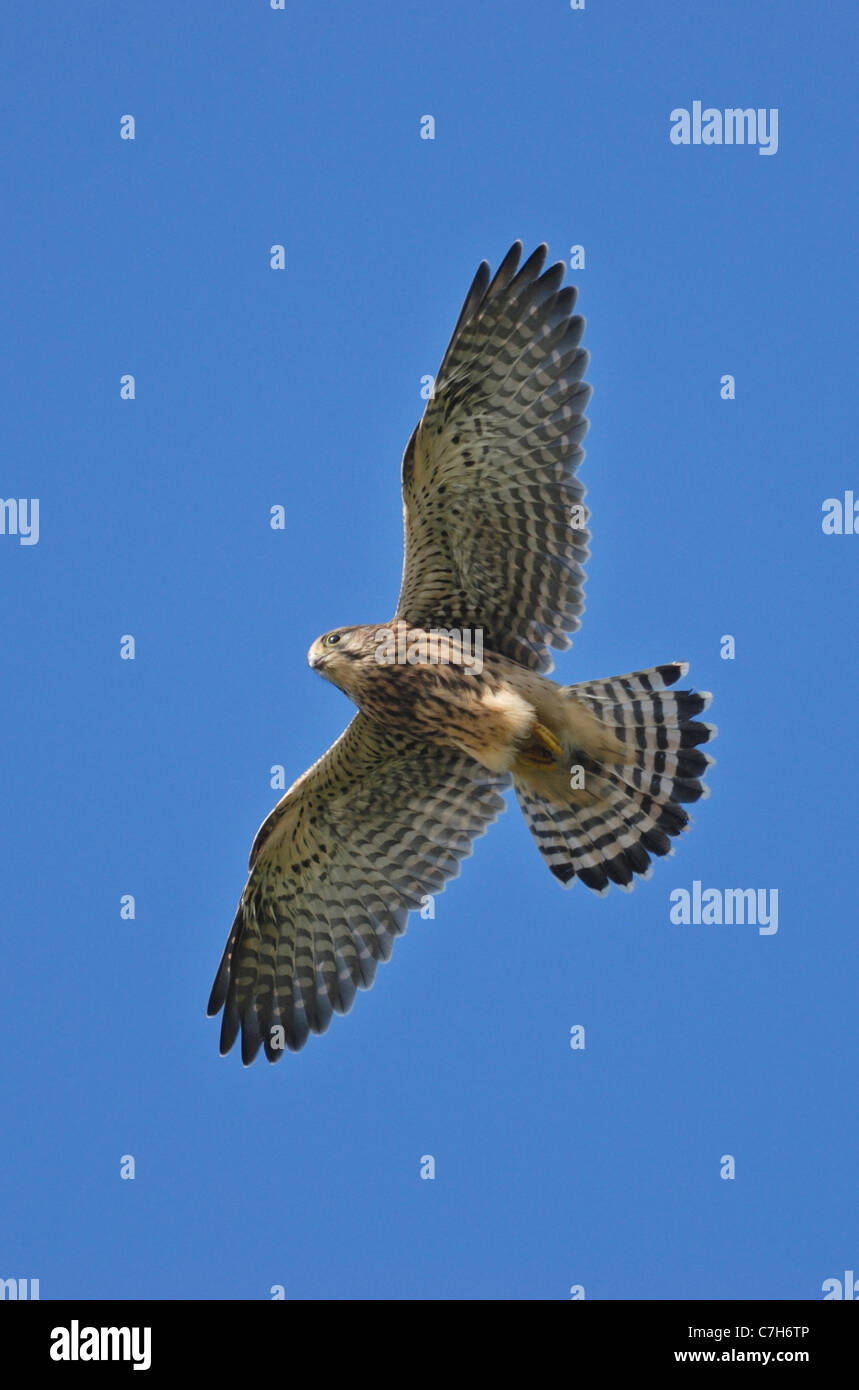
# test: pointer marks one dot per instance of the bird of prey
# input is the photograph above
(454, 703)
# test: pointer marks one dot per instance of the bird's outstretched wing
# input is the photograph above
(377, 823)
(494, 533)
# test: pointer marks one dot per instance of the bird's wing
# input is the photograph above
(494, 533)
(377, 823)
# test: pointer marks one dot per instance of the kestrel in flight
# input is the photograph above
(454, 704)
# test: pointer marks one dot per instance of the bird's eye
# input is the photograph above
(332, 639)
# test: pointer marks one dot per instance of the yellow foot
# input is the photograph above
(542, 747)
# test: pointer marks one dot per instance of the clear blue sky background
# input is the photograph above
(554, 1167)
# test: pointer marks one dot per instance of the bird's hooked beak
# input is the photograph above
(317, 659)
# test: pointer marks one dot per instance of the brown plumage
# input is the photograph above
(453, 695)
(506, 716)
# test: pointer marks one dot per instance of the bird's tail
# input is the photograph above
(601, 810)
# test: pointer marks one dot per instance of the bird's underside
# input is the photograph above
(495, 543)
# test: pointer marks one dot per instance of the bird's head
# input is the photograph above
(338, 655)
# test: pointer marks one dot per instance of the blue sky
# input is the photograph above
(554, 1167)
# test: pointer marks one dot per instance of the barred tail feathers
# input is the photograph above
(602, 814)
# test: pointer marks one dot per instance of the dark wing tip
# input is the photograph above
(230, 1024)
(251, 1041)
(475, 296)
(506, 270)
(221, 985)
(219, 990)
